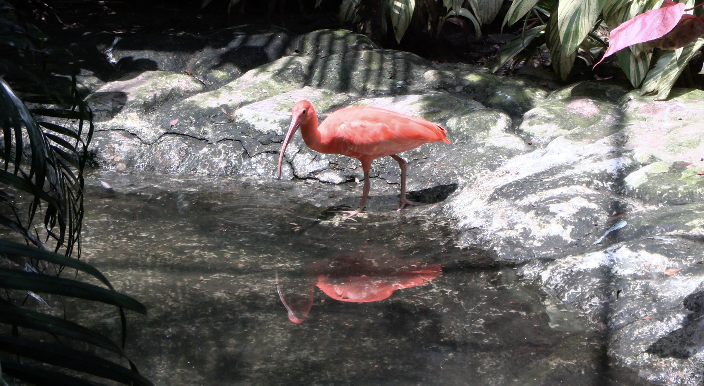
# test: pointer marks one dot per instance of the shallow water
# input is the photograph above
(203, 255)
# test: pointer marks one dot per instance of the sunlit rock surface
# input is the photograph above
(589, 191)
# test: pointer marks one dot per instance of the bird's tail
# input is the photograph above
(442, 134)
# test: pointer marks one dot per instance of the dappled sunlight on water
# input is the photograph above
(398, 303)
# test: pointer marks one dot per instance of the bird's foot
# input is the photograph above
(403, 202)
(350, 213)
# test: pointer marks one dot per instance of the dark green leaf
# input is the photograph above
(60, 141)
(42, 376)
(53, 285)
(70, 160)
(668, 68)
(58, 113)
(17, 227)
(635, 66)
(13, 248)
(513, 47)
(21, 183)
(518, 9)
(21, 317)
(60, 355)
(59, 129)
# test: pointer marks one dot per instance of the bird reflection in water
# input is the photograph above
(354, 279)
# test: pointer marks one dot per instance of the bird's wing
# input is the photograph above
(377, 132)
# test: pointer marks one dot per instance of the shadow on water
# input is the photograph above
(204, 257)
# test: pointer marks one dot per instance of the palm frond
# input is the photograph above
(46, 129)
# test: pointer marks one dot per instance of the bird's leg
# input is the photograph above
(365, 193)
(403, 201)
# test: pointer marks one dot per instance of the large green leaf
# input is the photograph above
(24, 184)
(667, 69)
(562, 61)
(575, 19)
(60, 130)
(611, 7)
(11, 105)
(617, 15)
(477, 24)
(452, 4)
(634, 63)
(485, 10)
(519, 8)
(348, 10)
(454, 8)
(401, 13)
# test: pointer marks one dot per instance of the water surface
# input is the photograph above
(203, 255)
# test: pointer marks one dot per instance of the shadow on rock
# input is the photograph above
(134, 67)
(433, 195)
(425, 196)
(688, 340)
(107, 104)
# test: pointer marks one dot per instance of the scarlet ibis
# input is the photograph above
(365, 133)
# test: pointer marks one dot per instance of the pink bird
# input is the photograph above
(365, 133)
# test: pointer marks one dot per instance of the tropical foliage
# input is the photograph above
(400, 12)
(570, 29)
(46, 129)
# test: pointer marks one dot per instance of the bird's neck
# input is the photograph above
(310, 132)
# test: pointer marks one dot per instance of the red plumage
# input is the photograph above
(365, 133)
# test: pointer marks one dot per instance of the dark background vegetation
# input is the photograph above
(455, 43)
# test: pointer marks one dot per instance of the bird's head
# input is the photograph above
(301, 111)
(301, 114)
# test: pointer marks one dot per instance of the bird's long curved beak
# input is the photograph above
(295, 123)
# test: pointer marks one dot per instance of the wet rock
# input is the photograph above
(140, 94)
(666, 144)
(579, 118)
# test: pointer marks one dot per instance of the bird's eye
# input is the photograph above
(304, 112)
